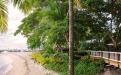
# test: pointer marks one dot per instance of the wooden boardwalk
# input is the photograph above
(112, 58)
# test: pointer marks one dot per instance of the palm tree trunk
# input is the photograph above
(71, 41)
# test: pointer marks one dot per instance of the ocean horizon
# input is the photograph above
(5, 64)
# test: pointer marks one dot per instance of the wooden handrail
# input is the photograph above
(113, 58)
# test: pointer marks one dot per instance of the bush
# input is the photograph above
(86, 66)
(42, 58)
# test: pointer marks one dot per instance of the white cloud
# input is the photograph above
(8, 40)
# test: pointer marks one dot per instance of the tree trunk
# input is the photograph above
(71, 41)
(113, 41)
(67, 38)
(61, 48)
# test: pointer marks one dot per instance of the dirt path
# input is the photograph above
(24, 65)
(111, 70)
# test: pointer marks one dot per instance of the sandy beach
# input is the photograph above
(24, 65)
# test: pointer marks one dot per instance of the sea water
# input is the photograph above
(5, 64)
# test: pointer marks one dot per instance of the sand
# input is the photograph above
(24, 65)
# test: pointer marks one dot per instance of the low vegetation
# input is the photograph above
(59, 62)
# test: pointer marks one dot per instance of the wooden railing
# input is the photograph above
(112, 58)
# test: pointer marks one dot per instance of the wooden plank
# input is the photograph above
(92, 57)
(119, 64)
(106, 60)
(115, 63)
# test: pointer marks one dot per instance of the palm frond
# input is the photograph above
(24, 5)
(3, 16)
(78, 3)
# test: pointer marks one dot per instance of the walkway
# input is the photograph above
(112, 58)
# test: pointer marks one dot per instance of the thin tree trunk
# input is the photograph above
(117, 28)
(71, 41)
(61, 48)
(111, 7)
(67, 38)
(114, 41)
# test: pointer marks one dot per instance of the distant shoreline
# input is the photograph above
(5, 51)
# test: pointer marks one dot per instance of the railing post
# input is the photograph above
(118, 58)
(108, 57)
(94, 53)
(100, 54)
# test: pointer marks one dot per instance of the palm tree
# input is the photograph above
(24, 5)
(71, 41)
(71, 45)
(3, 16)
(21, 5)
(71, 34)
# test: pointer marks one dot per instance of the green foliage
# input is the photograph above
(82, 45)
(85, 68)
(43, 60)
(29, 24)
(3, 16)
(82, 67)
(48, 24)
(45, 25)
(59, 63)
(60, 67)
(48, 55)
(34, 42)
(25, 6)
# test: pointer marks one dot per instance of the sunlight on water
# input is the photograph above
(5, 64)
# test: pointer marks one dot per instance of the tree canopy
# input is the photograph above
(94, 20)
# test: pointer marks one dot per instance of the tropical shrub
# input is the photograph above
(59, 63)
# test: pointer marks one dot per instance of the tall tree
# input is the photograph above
(71, 40)
(104, 15)
(47, 22)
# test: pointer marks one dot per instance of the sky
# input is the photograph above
(8, 40)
